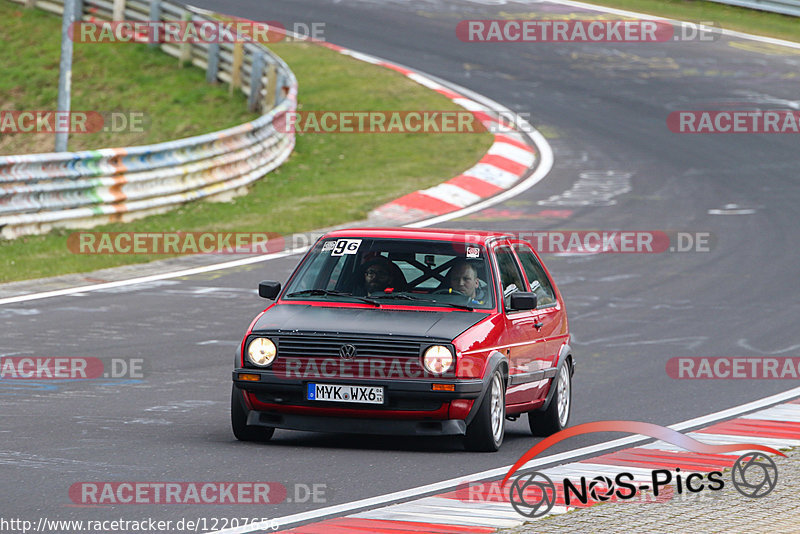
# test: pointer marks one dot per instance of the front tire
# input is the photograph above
(241, 430)
(485, 433)
(556, 417)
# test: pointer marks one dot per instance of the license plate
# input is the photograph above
(344, 393)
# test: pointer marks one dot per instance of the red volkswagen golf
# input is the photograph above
(401, 331)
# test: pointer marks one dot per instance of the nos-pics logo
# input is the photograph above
(533, 494)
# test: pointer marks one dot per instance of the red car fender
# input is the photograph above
(496, 360)
(564, 354)
(469, 344)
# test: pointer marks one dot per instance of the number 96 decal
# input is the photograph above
(345, 246)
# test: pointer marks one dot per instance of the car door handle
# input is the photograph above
(538, 325)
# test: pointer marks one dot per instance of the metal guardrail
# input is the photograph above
(81, 189)
(785, 7)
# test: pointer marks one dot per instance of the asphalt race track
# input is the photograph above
(603, 108)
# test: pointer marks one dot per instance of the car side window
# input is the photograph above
(540, 284)
(510, 275)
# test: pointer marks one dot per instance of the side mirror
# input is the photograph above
(269, 289)
(521, 300)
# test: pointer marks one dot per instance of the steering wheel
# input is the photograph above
(449, 292)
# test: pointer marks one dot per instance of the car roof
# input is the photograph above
(435, 234)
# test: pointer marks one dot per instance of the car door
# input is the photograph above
(549, 316)
(523, 344)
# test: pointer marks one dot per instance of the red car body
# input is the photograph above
(505, 361)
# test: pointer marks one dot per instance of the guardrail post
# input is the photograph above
(185, 54)
(118, 10)
(65, 70)
(279, 89)
(272, 74)
(155, 15)
(256, 72)
(213, 62)
(236, 67)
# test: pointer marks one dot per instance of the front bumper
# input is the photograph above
(410, 407)
(315, 423)
(282, 389)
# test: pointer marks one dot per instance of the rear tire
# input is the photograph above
(241, 430)
(485, 432)
(556, 417)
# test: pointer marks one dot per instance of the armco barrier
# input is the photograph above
(784, 7)
(83, 189)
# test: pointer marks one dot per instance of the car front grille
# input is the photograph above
(328, 347)
(318, 356)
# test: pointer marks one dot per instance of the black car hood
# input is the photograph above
(372, 321)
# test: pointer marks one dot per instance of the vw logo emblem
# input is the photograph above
(347, 352)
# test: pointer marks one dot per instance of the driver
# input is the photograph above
(463, 278)
(380, 274)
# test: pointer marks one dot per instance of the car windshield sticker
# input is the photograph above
(346, 246)
(473, 252)
(328, 245)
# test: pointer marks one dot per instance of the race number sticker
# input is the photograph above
(328, 245)
(473, 252)
(346, 246)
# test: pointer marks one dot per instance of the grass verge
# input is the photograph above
(175, 102)
(330, 178)
(728, 17)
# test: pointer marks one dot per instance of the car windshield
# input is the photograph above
(407, 272)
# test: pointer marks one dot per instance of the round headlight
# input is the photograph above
(437, 359)
(261, 351)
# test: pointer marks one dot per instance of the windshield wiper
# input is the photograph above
(329, 293)
(410, 297)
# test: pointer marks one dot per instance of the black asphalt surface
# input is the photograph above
(603, 108)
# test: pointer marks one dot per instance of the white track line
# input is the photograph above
(390, 498)
(150, 278)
